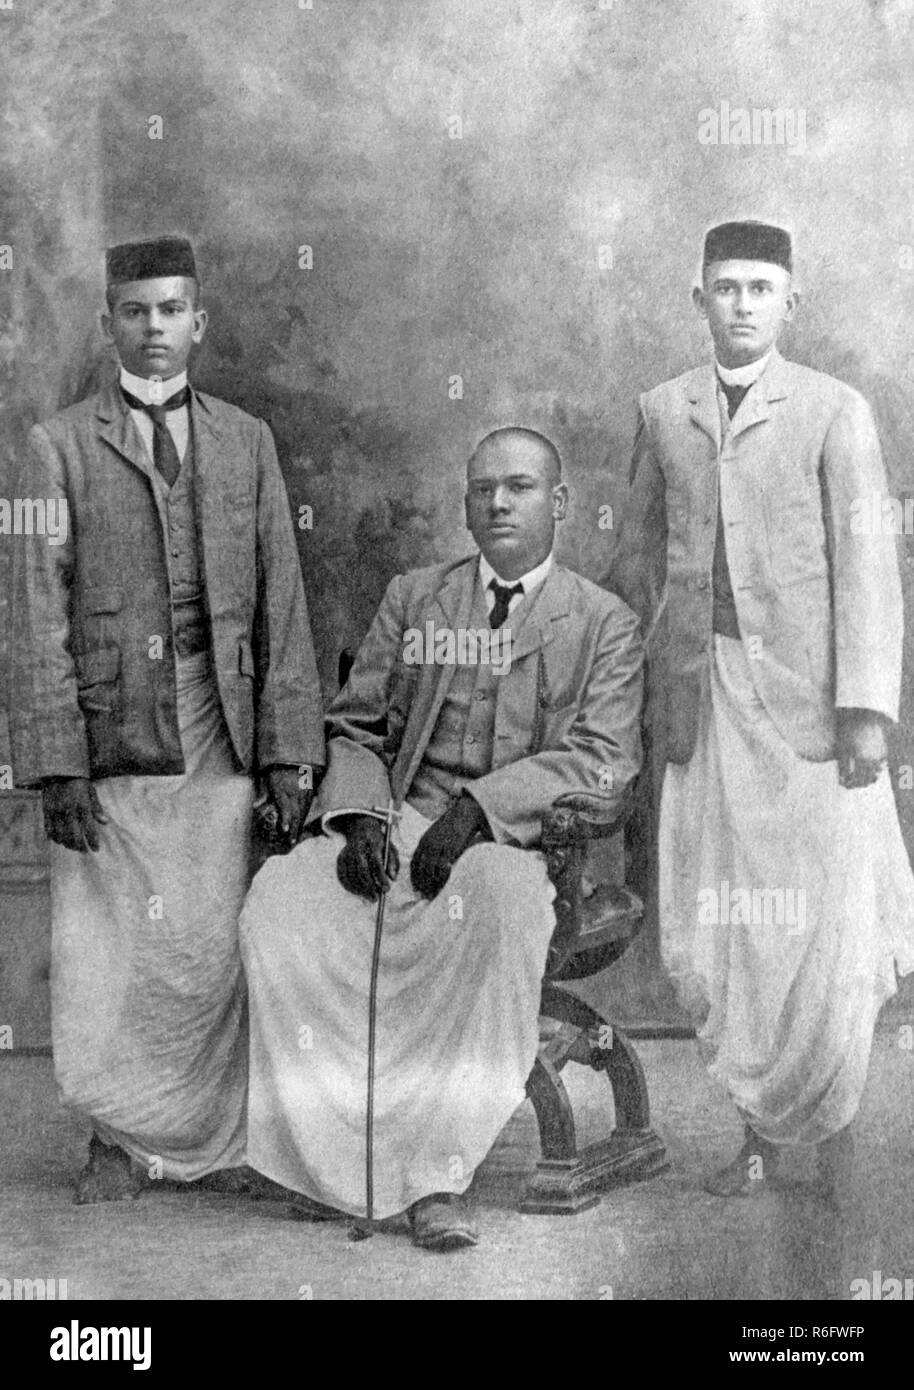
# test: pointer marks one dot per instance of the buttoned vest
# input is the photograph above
(460, 748)
(190, 625)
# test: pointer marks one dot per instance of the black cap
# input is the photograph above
(148, 260)
(749, 241)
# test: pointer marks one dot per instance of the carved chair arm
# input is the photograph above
(571, 823)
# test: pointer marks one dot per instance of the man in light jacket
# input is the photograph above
(772, 608)
(484, 690)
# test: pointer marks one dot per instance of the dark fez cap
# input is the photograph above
(148, 260)
(749, 241)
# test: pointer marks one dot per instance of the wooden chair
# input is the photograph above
(592, 930)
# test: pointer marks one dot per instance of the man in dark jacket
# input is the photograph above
(164, 657)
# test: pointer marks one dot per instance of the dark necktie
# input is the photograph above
(503, 596)
(734, 395)
(164, 453)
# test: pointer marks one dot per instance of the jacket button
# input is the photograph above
(703, 582)
(480, 695)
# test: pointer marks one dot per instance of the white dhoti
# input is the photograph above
(458, 1002)
(786, 903)
(147, 992)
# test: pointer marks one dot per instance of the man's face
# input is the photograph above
(513, 500)
(746, 304)
(154, 324)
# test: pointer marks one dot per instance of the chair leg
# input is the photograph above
(566, 1180)
(554, 1114)
(559, 1187)
(604, 1047)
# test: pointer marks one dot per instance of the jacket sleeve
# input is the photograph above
(600, 755)
(637, 571)
(289, 710)
(359, 720)
(47, 729)
(866, 584)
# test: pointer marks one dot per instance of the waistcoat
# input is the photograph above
(460, 748)
(190, 624)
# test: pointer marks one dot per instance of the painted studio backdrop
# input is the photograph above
(417, 219)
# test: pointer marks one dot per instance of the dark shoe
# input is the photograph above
(749, 1172)
(110, 1175)
(229, 1182)
(304, 1208)
(442, 1222)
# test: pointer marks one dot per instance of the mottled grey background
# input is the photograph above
(435, 256)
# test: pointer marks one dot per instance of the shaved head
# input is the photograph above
(530, 443)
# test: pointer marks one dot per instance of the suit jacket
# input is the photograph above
(822, 602)
(567, 710)
(87, 698)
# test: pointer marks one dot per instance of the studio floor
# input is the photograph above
(662, 1239)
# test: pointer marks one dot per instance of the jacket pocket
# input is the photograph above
(99, 618)
(104, 600)
(97, 674)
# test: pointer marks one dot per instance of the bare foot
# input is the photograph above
(749, 1172)
(109, 1176)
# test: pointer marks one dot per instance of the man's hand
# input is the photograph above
(360, 863)
(444, 842)
(862, 749)
(72, 812)
(292, 801)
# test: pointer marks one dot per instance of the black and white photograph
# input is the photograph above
(457, 662)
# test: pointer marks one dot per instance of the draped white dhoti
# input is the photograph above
(786, 903)
(147, 992)
(458, 1002)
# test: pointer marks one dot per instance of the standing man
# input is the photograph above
(473, 749)
(163, 656)
(773, 613)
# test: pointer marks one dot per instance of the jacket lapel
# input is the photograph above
(207, 442)
(454, 604)
(704, 409)
(549, 605)
(209, 500)
(117, 429)
(451, 607)
(771, 387)
(519, 701)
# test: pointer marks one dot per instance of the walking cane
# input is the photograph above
(363, 1229)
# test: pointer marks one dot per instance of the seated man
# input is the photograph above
(483, 691)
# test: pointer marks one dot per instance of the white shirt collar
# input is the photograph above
(744, 376)
(141, 386)
(531, 580)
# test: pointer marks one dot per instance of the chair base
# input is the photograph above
(564, 1186)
